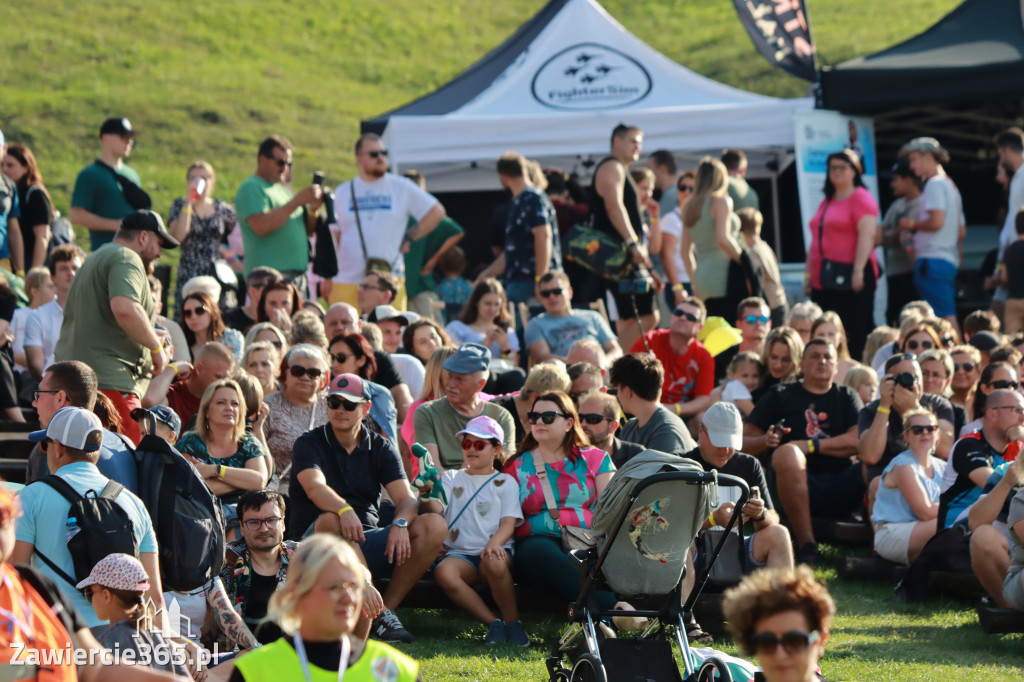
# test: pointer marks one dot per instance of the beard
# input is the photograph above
(377, 171)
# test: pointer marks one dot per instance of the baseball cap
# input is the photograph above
(118, 572)
(117, 126)
(483, 427)
(902, 168)
(725, 425)
(70, 427)
(348, 386)
(985, 341)
(924, 144)
(149, 221)
(163, 413)
(469, 358)
(382, 313)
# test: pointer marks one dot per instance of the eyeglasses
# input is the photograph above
(594, 418)
(794, 641)
(281, 163)
(754, 319)
(1017, 409)
(375, 154)
(336, 401)
(965, 366)
(546, 417)
(38, 392)
(271, 522)
(277, 344)
(914, 344)
(918, 429)
(298, 371)
(551, 292)
(686, 188)
(685, 314)
(189, 312)
(367, 287)
(1003, 383)
(477, 445)
(341, 358)
(839, 167)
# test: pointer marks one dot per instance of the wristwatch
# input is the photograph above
(401, 523)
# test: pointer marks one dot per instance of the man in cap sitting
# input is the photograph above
(337, 473)
(438, 421)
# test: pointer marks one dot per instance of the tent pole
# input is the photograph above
(776, 227)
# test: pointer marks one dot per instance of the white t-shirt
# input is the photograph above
(18, 322)
(475, 527)
(460, 332)
(940, 195)
(672, 223)
(735, 390)
(385, 206)
(43, 329)
(411, 370)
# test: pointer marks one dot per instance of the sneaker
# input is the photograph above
(628, 623)
(495, 633)
(387, 628)
(515, 633)
(808, 554)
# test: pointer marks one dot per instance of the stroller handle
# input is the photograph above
(737, 513)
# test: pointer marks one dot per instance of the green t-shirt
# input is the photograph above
(90, 331)
(437, 422)
(287, 247)
(422, 250)
(97, 192)
(742, 194)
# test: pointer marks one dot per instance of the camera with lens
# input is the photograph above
(905, 379)
(636, 279)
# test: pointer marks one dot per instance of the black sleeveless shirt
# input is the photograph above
(630, 198)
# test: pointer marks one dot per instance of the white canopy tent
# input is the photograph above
(554, 91)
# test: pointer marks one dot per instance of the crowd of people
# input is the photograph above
(522, 384)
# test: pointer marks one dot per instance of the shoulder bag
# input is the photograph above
(372, 264)
(573, 537)
(835, 276)
(136, 197)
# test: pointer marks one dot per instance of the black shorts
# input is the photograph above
(835, 495)
(624, 302)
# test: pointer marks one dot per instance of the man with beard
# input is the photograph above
(109, 312)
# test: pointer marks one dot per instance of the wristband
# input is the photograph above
(187, 210)
(711, 519)
(221, 471)
(346, 508)
(677, 287)
(157, 351)
(883, 410)
(679, 412)
(764, 513)
(174, 366)
(19, 273)
(811, 446)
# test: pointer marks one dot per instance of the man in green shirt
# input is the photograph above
(422, 258)
(108, 315)
(742, 194)
(638, 378)
(98, 202)
(275, 223)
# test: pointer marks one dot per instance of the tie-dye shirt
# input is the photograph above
(574, 485)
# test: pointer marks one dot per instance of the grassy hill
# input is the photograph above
(209, 80)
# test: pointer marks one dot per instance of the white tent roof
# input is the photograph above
(564, 85)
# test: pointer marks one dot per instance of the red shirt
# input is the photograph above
(687, 376)
(181, 400)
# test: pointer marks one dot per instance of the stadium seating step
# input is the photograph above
(870, 568)
(997, 621)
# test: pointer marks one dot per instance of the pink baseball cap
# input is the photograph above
(484, 427)
(118, 572)
(348, 386)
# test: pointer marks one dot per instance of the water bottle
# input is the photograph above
(73, 528)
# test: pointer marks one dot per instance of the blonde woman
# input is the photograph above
(711, 229)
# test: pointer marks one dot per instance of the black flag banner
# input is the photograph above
(780, 31)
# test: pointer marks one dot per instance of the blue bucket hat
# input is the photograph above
(469, 358)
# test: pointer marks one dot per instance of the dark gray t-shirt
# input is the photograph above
(664, 432)
(149, 646)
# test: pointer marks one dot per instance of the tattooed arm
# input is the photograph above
(230, 622)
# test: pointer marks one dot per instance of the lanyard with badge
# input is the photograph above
(300, 651)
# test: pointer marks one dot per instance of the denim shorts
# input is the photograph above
(375, 542)
(936, 283)
(473, 559)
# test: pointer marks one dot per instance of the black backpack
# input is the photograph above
(949, 551)
(104, 527)
(186, 515)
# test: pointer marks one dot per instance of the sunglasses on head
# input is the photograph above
(965, 366)
(336, 401)
(918, 429)
(754, 319)
(594, 418)
(551, 292)
(546, 417)
(375, 154)
(794, 641)
(187, 313)
(914, 344)
(686, 315)
(477, 445)
(1004, 383)
(298, 371)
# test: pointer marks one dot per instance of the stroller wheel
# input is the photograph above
(714, 670)
(588, 668)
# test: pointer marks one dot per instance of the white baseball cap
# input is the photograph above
(724, 425)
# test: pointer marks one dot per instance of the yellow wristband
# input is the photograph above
(221, 471)
(810, 446)
(346, 508)
(883, 410)
(711, 519)
(174, 366)
(677, 287)
(679, 412)
(158, 350)
(19, 273)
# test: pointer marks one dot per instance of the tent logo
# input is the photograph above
(590, 76)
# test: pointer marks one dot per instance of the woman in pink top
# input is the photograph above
(844, 231)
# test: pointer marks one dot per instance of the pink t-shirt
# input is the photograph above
(840, 231)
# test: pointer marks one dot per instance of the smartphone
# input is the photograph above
(318, 178)
(755, 492)
(779, 425)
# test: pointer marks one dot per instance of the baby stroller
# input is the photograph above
(648, 524)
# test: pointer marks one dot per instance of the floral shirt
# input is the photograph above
(237, 573)
(248, 447)
(201, 247)
(574, 485)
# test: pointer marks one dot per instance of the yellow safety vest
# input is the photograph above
(278, 661)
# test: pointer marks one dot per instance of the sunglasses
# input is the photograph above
(367, 287)
(281, 163)
(477, 445)
(546, 417)
(336, 401)
(594, 418)
(679, 312)
(341, 358)
(686, 188)
(201, 310)
(965, 366)
(897, 359)
(1003, 383)
(754, 319)
(551, 292)
(794, 641)
(377, 154)
(255, 524)
(913, 345)
(918, 429)
(277, 344)
(299, 371)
